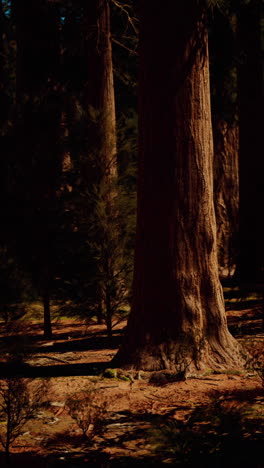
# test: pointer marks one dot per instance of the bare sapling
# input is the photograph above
(18, 405)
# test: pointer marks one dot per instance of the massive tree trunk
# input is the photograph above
(37, 132)
(251, 166)
(226, 194)
(177, 319)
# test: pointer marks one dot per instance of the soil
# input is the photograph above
(148, 419)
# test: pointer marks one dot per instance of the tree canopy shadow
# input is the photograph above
(84, 344)
(27, 459)
(28, 344)
(64, 370)
(218, 434)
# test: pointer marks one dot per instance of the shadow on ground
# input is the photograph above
(73, 341)
(29, 345)
(223, 433)
(67, 370)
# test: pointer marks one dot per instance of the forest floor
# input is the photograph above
(210, 420)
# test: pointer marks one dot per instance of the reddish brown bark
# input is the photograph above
(100, 106)
(99, 87)
(177, 317)
(226, 194)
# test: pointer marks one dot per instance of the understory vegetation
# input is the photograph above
(126, 418)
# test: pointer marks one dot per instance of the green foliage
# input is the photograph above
(109, 243)
(89, 251)
(110, 373)
(98, 222)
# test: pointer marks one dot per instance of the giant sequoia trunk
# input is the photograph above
(178, 318)
(251, 165)
(37, 132)
(226, 194)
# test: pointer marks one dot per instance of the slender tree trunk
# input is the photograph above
(177, 319)
(100, 106)
(226, 194)
(251, 166)
(4, 99)
(7, 454)
(47, 318)
(45, 290)
(99, 313)
(8, 429)
(109, 314)
(99, 89)
(38, 130)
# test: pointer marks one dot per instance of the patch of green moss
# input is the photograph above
(110, 373)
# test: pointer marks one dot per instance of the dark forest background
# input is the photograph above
(59, 240)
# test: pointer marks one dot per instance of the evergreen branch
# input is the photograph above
(123, 8)
(124, 47)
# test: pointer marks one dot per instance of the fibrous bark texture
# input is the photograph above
(226, 194)
(99, 87)
(177, 319)
(101, 138)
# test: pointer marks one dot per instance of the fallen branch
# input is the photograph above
(53, 358)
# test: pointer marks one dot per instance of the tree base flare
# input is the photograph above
(183, 358)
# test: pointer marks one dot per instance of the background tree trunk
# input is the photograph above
(37, 132)
(178, 318)
(99, 102)
(251, 166)
(226, 194)
(99, 87)
(45, 292)
(4, 98)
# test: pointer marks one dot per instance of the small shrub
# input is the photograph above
(88, 408)
(110, 373)
(17, 407)
(255, 358)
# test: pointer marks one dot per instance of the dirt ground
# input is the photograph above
(145, 421)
